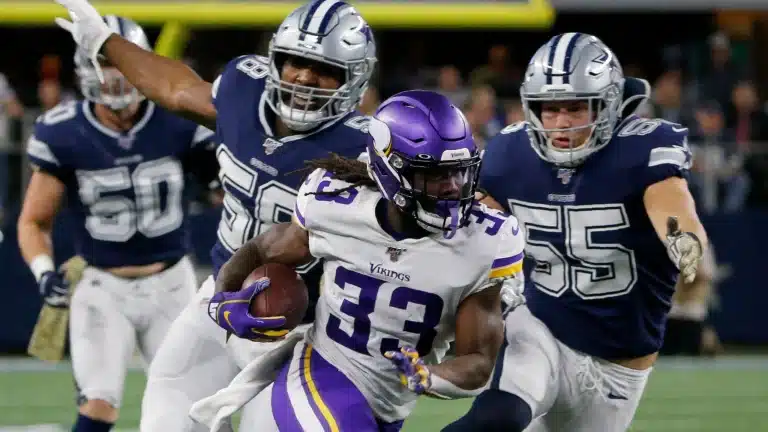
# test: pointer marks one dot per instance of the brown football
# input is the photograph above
(285, 296)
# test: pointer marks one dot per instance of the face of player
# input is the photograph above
(443, 184)
(116, 86)
(309, 73)
(572, 115)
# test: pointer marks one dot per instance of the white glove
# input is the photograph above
(87, 28)
(684, 249)
(512, 292)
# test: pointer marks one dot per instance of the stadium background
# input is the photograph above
(475, 53)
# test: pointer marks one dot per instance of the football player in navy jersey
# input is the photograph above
(610, 225)
(271, 114)
(117, 159)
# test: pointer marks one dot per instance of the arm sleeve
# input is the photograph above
(45, 151)
(669, 156)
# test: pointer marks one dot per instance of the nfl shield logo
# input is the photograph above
(271, 145)
(125, 142)
(394, 253)
(565, 174)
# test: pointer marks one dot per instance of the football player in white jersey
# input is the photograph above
(271, 114)
(412, 263)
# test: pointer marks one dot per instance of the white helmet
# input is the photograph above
(330, 32)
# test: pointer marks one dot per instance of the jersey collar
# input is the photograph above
(113, 133)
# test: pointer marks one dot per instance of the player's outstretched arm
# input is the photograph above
(168, 82)
(285, 243)
(684, 235)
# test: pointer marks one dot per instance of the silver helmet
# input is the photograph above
(116, 92)
(330, 32)
(573, 66)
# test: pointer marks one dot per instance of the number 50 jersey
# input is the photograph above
(125, 190)
(379, 293)
(602, 281)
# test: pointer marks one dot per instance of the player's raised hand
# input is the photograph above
(684, 249)
(87, 28)
(231, 311)
(413, 372)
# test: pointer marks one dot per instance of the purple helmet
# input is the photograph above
(424, 159)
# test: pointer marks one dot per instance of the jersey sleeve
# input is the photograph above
(506, 254)
(201, 135)
(508, 262)
(668, 155)
(228, 85)
(46, 149)
(493, 171)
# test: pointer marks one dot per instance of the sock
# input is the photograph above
(87, 424)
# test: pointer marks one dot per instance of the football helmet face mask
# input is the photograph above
(333, 35)
(573, 72)
(424, 159)
(116, 92)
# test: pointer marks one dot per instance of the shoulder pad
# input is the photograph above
(47, 146)
(240, 71)
(659, 147)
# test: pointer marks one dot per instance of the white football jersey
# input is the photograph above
(379, 294)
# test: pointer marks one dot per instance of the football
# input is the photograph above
(285, 296)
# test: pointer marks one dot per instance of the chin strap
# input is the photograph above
(453, 225)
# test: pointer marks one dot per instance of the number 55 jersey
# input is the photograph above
(380, 293)
(600, 278)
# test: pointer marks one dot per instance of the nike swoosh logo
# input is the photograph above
(612, 395)
(226, 318)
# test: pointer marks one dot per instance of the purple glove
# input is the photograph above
(413, 372)
(230, 310)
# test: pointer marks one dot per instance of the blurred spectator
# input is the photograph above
(10, 110)
(666, 99)
(722, 74)
(718, 162)
(748, 122)
(513, 111)
(48, 94)
(498, 73)
(371, 101)
(750, 128)
(480, 111)
(450, 85)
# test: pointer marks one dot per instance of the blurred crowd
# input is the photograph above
(719, 104)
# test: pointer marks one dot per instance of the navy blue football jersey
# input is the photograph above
(125, 191)
(600, 278)
(258, 170)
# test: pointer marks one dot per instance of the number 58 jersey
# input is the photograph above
(380, 293)
(602, 281)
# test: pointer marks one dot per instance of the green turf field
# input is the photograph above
(727, 394)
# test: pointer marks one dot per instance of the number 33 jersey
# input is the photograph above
(600, 277)
(379, 294)
(125, 191)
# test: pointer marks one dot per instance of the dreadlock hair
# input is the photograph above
(345, 169)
